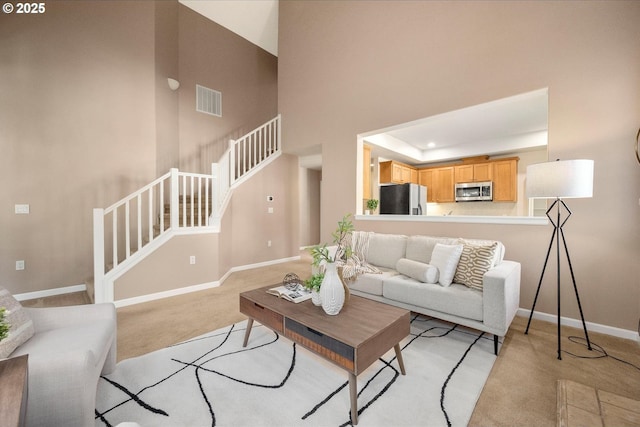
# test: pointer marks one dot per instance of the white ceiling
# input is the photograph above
(508, 125)
(254, 20)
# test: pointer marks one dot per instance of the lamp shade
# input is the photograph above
(560, 179)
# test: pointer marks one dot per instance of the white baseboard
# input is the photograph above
(166, 294)
(200, 287)
(50, 292)
(577, 323)
(261, 264)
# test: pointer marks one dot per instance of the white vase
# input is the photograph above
(331, 290)
(315, 298)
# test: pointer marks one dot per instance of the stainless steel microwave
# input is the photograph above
(474, 191)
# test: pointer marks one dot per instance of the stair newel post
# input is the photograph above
(175, 194)
(215, 190)
(232, 162)
(279, 135)
(98, 255)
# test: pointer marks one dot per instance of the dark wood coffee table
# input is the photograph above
(355, 338)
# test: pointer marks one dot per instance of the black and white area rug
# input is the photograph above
(213, 381)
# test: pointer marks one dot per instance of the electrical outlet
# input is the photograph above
(22, 209)
(269, 243)
(20, 265)
(192, 259)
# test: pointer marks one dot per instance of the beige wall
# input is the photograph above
(310, 181)
(87, 117)
(348, 67)
(251, 224)
(169, 267)
(166, 65)
(245, 74)
(246, 228)
(78, 131)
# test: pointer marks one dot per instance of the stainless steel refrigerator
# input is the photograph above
(403, 199)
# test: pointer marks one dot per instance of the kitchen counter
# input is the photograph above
(467, 219)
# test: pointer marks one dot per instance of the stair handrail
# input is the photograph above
(172, 187)
(99, 219)
(243, 158)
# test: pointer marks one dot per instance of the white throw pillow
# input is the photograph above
(446, 258)
(418, 270)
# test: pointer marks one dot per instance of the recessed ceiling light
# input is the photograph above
(431, 145)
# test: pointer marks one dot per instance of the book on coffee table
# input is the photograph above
(297, 295)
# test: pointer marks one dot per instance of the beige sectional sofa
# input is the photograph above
(488, 300)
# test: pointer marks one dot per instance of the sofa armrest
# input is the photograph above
(501, 296)
(62, 388)
(45, 319)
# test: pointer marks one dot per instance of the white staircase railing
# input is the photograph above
(177, 202)
(239, 161)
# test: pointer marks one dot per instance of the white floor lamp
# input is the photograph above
(560, 180)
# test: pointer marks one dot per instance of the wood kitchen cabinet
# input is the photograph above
(366, 172)
(439, 183)
(505, 180)
(476, 172)
(392, 172)
(414, 175)
(425, 177)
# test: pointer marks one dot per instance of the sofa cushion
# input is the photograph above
(457, 300)
(371, 283)
(20, 324)
(386, 249)
(446, 258)
(475, 260)
(420, 248)
(418, 270)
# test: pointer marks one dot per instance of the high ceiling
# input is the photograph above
(508, 125)
(254, 20)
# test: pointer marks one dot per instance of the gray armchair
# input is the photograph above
(70, 349)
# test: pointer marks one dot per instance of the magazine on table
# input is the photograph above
(299, 294)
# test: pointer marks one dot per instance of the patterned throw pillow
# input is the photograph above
(21, 326)
(476, 259)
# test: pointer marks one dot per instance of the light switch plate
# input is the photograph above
(22, 209)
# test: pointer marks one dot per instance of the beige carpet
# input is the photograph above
(520, 391)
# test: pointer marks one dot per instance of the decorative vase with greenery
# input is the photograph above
(333, 291)
(341, 238)
(313, 284)
(372, 205)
